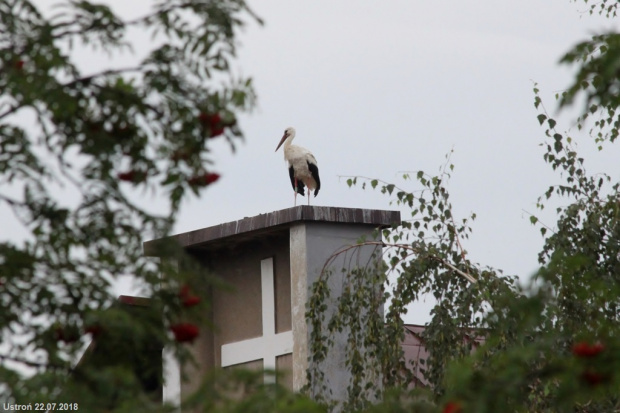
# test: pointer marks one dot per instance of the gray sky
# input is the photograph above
(374, 88)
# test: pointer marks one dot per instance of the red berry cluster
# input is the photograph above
(593, 378)
(452, 407)
(188, 299)
(131, 176)
(214, 123)
(94, 330)
(203, 179)
(585, 350)
(183, 331)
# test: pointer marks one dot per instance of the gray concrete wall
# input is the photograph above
(300, 239)
(312, 244)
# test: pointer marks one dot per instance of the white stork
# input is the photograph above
(302, 166)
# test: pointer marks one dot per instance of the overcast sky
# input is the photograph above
(374, 88)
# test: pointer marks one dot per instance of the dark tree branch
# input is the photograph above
(10, 110)
(108, 72)
(442, 261)
(160, 11)
(12, 202)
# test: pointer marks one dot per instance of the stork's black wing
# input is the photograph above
(300, 184)
(314, 170)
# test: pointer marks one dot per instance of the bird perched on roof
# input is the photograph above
(302, 166)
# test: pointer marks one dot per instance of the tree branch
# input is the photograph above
(465, 275)
(10, 201)
(108, 72)
(12, 109)
(441, 260)
(539, 221)
(163, 10)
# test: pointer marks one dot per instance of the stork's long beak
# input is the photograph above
(282, 141)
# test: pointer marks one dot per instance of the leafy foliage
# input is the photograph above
(570, 306)
(551, 345)
(494, 345)
(562, 353)
(602, 7)
(241, 391)
(424, 255)
(77, 150)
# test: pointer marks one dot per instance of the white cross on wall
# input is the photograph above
(270, 345)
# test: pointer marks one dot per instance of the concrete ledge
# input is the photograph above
(279, 220)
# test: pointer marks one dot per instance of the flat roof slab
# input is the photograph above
(253, 227)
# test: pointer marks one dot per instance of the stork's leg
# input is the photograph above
(295, 189)
(308, 196)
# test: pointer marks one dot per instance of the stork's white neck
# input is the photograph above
(289, 140)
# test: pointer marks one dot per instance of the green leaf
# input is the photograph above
(558, 142)
(541, 118)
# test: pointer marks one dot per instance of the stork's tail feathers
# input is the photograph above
(314, 171)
